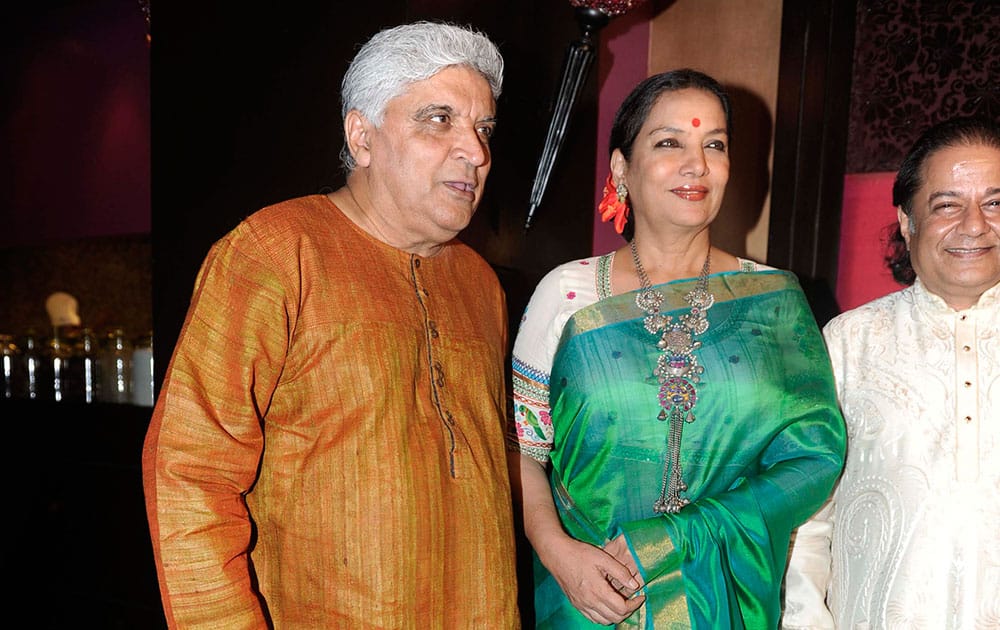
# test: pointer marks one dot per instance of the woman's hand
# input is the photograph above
(601, 583)
(618, 549)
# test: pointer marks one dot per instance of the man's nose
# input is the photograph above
(974, 221)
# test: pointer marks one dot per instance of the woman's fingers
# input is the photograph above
(588, 576)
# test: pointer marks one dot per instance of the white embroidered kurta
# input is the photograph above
(911, 536)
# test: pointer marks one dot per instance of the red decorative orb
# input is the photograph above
(611, 8)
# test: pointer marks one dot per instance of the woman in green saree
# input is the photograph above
(674, 410)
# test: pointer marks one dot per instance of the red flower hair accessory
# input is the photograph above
(614, 205)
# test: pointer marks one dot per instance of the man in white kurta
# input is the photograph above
(911, 536)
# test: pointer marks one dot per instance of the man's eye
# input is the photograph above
(487, 131)
(946, 207)
(440, 118)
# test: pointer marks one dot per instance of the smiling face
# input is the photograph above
(425, 166)
(679, 166)
(954, 231)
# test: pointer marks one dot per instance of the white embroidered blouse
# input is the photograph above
(911, 536)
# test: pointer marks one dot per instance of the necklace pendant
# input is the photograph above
(700, 298)
(677, 393)
(677, 370)
(670, 505)
(677, 339)
(699, 325)
(655, 323)
(649, 300)
(676, 363)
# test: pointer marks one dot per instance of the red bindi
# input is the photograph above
(696, 122)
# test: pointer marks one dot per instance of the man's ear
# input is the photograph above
(904, 224)
(356, 128)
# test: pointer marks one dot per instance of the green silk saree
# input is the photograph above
(760, 458)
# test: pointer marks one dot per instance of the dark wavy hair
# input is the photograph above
(635, 109)
(960, 131)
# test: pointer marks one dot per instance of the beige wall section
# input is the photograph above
(738, 42)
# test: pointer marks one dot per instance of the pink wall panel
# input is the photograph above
(867, 219)
(623, 61)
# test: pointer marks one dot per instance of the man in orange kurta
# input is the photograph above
(327, 448)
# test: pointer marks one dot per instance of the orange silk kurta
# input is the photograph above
(327, 449)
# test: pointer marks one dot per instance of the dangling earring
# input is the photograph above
(614, 205)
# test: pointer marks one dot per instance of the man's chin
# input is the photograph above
(457, 219)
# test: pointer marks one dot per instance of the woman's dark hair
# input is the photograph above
(961, 131)
(635, 109)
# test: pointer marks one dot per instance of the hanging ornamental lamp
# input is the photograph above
(592, 16)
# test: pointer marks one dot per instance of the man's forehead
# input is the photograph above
(947, 156)
(454, 87)
(957, 163)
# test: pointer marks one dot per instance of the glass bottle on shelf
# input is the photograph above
(116, 367)
(83, 382)
(8, 366)
(142, 371)
(58, 362)
(34, 379)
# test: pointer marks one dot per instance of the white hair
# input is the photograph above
(396, 57)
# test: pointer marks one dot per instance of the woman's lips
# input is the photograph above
(691, 193)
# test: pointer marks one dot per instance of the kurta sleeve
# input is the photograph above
(205, 439)
(807, 579)
(731, 547)
(810, 563)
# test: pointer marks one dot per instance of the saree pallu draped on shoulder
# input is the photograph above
(761, 456)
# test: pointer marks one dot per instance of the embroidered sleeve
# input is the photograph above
(532, 425)
(562, 291)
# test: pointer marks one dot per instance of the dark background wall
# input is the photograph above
(917, 62)
(74, 120)
(75, 216)
(75, 163)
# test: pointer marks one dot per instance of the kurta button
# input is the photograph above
(966, 348)
(416, 262)
(968, 419)
(963, 317)
(968, 383)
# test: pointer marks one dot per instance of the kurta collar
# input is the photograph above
(935, 305)
(405, 258)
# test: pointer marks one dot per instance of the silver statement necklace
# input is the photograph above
(677, 369)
